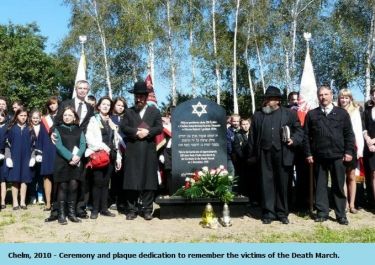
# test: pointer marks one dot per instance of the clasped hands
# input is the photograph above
(142, 133)
(370, 144)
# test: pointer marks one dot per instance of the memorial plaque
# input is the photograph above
(199, 138)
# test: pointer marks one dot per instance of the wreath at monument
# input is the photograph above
(209, 183)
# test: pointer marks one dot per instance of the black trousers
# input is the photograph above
(100, 188)
(274, 184)
(336, 169)
(135, 197)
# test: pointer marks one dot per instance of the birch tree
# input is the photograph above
(234, 71)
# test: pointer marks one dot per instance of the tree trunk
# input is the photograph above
(191, 39)
(370, 55)
(150, 49)
(252, 94)
(171, 58)
(234, 71)
(104, 46)
(217, 69)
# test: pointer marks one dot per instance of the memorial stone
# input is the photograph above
(199, 139)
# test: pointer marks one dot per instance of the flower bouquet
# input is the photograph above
(213, 183)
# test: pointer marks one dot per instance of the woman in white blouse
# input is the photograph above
(346, 102)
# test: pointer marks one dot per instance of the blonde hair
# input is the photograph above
(346, 92)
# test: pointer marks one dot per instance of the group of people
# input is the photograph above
(49, 155)
(334, 141)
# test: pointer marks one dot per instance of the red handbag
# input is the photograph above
(99, 159)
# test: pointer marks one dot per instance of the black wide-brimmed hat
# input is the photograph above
(139, 88)
(273, 92)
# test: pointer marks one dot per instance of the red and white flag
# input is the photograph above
(308, 90)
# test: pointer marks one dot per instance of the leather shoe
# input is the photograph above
(51, 218)
(94, 215)
(284, 220)
(107, 213)
(23, 207)
(343, 221)
(3, 206)
(266, 221)
(15, 208)
(83, 215)
(320, 219)
(147, 216)
(131, 216)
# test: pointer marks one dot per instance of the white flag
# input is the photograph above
(81, 71)
(308, 90)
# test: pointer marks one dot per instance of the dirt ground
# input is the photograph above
(29, 226)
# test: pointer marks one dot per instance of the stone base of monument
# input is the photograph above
(180, 207)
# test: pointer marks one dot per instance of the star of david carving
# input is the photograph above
(199, 109)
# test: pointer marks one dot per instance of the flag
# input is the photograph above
(308, 90)
(81, 71)
(151, 99)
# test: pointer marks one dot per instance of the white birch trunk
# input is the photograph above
(171, 59)
(191, 39)
(252, 94)
(217, 69)
(370, 55)
(234, 71)
(150, 49)
(104, 46)
(260, 62)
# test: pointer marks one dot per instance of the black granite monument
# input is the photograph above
(199, 139)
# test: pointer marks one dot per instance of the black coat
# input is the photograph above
(70, 102)
(328, 137)
(288, 118)
(141, 162)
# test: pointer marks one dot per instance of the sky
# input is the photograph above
(52, 17)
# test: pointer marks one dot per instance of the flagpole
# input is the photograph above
(307, 37)
(81, 71)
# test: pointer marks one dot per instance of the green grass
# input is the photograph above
(322, 234)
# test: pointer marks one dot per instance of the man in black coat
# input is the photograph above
(329, 141)
(275, 130)
(140, 125)
(85, 111)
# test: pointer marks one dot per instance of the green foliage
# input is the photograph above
(214, 183)
(27, 73)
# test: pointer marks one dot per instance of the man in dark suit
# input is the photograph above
(275, 130)
(140, 125)
(329, 141)
(85, 111)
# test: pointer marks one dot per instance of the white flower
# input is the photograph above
(192, 181)
(221, 167)
(223, 173)
(230, 177)
(187, 179)
(200, 173)
(205, 169)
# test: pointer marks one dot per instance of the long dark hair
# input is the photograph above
(14, 119)
(123, 100)
(100, 102)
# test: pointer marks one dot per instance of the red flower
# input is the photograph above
(187, 185)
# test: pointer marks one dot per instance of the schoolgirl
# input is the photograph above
(48, 150)
(19, 158)
(70, 146)
(3, 171)
(35, 188)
